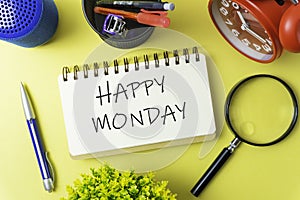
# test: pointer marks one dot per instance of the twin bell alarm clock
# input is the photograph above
(259, 29)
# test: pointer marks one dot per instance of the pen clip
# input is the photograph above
(156, 12)
(51, 167)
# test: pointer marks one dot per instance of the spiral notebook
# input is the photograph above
(136, 104)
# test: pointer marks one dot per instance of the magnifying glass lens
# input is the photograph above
(261, 110)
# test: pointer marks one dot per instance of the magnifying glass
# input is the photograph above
(260, 110)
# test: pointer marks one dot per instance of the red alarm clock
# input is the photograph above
(259, 29)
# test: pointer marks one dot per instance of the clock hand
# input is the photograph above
(242, 18)
(246, 28)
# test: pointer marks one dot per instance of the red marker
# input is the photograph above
(152, 18)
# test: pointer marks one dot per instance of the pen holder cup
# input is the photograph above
(27, 23)
(136, 33)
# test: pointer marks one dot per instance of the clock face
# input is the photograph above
(242, 29)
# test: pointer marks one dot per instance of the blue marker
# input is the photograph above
(40, 153)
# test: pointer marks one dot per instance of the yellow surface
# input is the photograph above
(252, 173)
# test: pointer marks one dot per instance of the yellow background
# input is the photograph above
(253, 172)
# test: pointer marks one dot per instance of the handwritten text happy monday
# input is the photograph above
(145, 116)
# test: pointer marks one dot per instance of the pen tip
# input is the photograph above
(21, 86)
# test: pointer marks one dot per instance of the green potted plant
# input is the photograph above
(108, 183)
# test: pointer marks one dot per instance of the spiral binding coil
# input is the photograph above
(96, 66)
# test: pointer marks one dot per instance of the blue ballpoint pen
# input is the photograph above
(40, 153)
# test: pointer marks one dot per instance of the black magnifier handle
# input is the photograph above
(214, 167)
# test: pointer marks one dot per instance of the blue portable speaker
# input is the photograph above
(27, 23)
